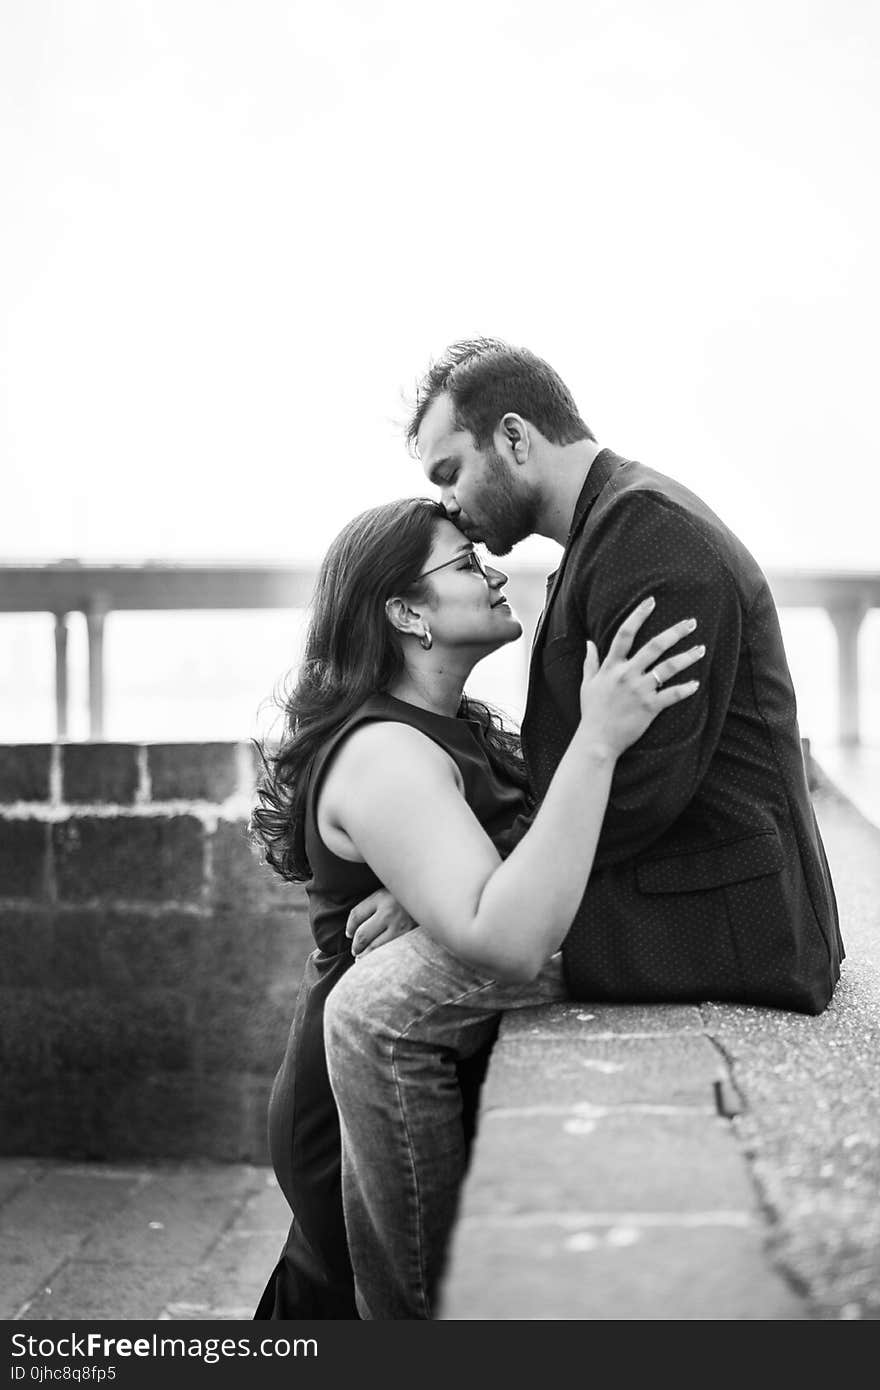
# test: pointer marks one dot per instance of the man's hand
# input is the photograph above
(376, 921)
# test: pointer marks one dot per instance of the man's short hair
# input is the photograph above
(485, 378)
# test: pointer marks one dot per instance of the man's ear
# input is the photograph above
(512, 438)
(402, 617)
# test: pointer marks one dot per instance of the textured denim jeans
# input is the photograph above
(395, 1026)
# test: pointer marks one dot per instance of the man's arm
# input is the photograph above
(647, 545)
(644, 546)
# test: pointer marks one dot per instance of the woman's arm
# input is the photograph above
(396, 796)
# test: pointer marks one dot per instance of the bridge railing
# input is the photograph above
(69, 586)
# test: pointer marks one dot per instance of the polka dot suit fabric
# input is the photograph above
(710, 879)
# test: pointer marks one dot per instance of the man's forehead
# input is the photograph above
(438, 431)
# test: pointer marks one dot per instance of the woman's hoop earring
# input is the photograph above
(426, 641)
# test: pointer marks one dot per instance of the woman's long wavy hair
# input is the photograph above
(352, 652)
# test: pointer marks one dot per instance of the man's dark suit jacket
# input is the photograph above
(710, 878)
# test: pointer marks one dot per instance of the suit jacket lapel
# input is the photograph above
(604, 464)
(549, 591)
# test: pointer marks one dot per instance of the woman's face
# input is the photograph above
(466, 606)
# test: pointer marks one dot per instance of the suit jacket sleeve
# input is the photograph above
(646, 544)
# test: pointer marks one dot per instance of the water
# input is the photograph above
(210, 676)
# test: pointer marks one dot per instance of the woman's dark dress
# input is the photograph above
(313, 1277)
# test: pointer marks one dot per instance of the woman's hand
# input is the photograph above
(620, 698)
(376, 921)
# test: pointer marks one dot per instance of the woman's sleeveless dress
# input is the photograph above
(313, 1277)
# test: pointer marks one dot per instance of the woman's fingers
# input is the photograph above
(625, 634)
(359, 914)
(591, 662)
(363, 949)
(656, 646)
(671, 694)
(366, 934)
(665, 670)
(375, 932)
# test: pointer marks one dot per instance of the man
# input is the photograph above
(710, 879)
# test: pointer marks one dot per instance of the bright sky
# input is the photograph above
(232, 235)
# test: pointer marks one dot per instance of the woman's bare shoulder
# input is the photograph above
(385, 748)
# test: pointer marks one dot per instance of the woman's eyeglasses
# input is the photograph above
(468, 557)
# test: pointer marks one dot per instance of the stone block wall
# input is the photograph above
(148, 961)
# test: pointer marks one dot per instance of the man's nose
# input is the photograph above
(495, 577)
(450, 505)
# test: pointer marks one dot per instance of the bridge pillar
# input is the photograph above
(61, 695)
(96, 612)
(847, 622)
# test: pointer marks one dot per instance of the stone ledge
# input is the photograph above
(604, 1183)
(616, 1269)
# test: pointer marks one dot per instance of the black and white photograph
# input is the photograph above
(439, 671)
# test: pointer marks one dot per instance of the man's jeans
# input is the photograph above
(395, 1026)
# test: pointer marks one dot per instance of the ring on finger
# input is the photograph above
(657, 679)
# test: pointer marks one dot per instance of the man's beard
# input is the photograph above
(506, 515)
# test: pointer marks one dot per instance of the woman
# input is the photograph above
(389, 774)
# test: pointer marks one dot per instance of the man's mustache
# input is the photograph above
(456, 521)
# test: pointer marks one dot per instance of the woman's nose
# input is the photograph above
(495, 577)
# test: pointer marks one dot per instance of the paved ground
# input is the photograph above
(790, 1182)
(93, 1240)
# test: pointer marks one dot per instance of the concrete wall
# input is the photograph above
(148, 962)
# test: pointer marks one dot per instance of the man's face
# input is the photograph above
(478, 487)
